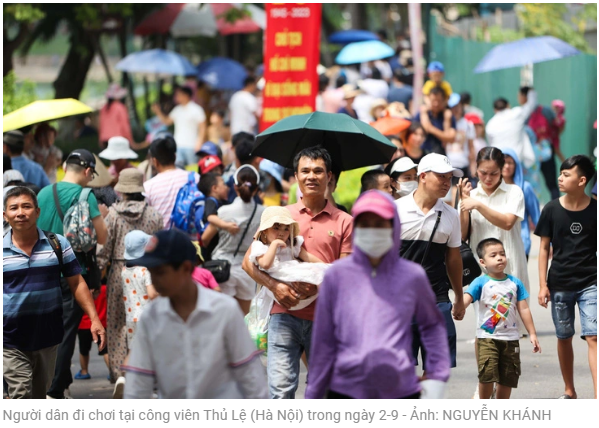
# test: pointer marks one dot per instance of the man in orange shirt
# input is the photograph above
(327, 232)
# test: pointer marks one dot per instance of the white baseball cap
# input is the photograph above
(403, 164)
(435, 162)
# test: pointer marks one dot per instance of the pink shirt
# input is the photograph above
(161, 191)
(204, 277)
(327, 235)
(114, 122)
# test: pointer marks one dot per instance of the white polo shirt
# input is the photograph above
(211, 355)
(416, 230)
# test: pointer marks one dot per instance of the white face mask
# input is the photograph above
(407, 187)
(374, 242)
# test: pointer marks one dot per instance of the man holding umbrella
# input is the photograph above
(327, 232)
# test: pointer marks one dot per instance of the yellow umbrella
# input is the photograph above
(43, 111)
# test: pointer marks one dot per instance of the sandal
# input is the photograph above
(565, 397)
(80, 376)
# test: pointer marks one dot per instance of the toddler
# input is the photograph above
(277, 247)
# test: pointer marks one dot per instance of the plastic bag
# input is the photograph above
(258, 317)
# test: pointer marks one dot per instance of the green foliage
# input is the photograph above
(547, 19)
(22, 12)
(16, 95)
(498, 34)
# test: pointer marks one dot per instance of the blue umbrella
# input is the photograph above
(359, 52)
(156, 61)
(351, 36)
(525, 51)
(222, 74)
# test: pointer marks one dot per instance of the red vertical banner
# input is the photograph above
(291, 55)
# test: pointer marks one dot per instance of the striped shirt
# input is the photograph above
(32, 299)
(161, 191)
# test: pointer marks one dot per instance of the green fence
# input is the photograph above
(573, 80)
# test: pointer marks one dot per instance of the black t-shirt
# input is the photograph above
(573, 235)
(211, 207)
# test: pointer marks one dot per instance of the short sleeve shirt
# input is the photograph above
(497, 310)
(432, 143)
(327, 235)
(50, 220)
(243, 107)
(573, 235)
(416, 230)
(32, 303)
(187, 120)
(506, 199)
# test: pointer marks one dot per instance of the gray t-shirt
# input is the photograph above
(238, 212)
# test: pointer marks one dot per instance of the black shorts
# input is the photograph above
(85, 343)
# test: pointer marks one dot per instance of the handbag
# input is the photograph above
(221, 269)
(470, 267)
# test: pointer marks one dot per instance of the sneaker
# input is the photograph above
(67, 394)
(119, 388)
(81, 376)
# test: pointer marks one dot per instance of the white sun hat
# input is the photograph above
(118, 148)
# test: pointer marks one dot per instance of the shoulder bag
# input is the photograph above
(471, 268)
(221, 269)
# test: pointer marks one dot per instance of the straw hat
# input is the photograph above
(379, 102)
(350, 91)
(130, 181)
(103, 178)
(281, 215)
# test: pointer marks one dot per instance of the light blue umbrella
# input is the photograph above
(523, 52)
(157, 61)
(351, 36)
(222, 74)
(358, 52)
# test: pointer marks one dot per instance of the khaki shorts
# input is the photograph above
(499, 361)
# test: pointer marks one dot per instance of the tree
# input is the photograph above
(15, 97)
(18, 18)
(86, 24)
(545, 19)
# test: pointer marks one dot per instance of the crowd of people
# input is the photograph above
(165, 262)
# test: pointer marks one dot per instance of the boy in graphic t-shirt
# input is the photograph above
(501, 299)
(569, 224)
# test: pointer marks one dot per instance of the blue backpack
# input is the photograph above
(183, 216)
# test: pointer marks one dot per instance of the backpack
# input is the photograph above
(200, 205)
(77, 223)
(183, 216)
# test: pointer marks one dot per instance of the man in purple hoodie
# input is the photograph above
(362, 335)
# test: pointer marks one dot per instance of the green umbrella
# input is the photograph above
(351, 143)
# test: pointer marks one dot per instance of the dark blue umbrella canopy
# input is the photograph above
(222, 74)
(351, 36)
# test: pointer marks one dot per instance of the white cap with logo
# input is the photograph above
(435, 162)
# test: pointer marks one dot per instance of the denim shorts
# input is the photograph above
(562, 312)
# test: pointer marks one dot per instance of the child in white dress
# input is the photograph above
(277, 248)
